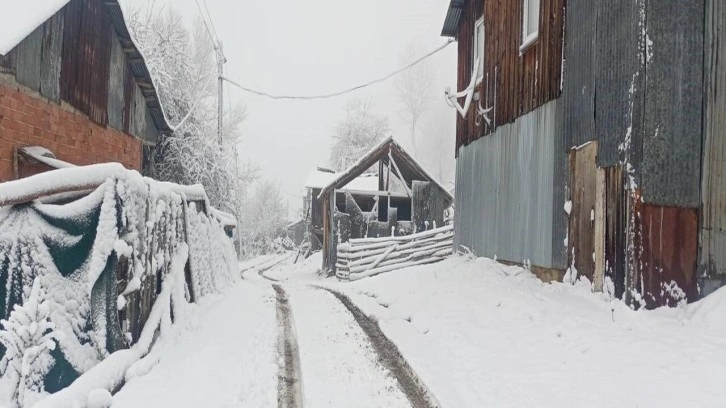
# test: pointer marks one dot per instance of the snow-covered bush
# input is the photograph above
(29, 337)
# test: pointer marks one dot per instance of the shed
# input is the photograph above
(386, 192)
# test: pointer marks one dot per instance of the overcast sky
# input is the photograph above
(318, 46)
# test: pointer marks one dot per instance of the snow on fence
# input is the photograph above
(115, 265)
(360, 258)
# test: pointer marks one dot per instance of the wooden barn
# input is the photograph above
(387, 192)
(592, 143)
(74, 89)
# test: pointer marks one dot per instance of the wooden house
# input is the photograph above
(74, 89)
(397, 198)
(593, 141)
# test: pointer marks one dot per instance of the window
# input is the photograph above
(530, 23)
(478, 47)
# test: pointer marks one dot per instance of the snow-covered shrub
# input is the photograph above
(29, 337)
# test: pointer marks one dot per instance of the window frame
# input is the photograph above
(528, 40)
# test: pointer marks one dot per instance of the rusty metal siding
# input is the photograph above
(673, 105)
(85, 67)
(504, 190)
(669, 252)
(712, 262)
(116, 85)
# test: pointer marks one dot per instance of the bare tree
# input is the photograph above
(357, 133)
(414, 89)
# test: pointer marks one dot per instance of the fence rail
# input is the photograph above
(365, 257)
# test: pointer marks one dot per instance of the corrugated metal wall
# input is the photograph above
(619, 81)
(671, 169)
(713, 215)
(504, 190)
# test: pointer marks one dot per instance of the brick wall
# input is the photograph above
(27, 119)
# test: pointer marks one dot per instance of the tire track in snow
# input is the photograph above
(390, 357)
(289, 389)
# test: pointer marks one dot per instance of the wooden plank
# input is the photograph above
(599, 243)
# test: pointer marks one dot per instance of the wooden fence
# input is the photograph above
(365, 257)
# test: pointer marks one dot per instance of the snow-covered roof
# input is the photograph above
(318, 178)
(380, 152)
(18, 19)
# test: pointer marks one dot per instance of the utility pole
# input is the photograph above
(220, 97)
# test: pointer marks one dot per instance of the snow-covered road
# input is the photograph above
(467, 333)
(228, 357)
(237, 352)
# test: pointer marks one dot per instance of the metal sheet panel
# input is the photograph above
(504, 191)
(116, 85)
(28, 61)
(619, 81)
(672, 136)
(578, 86)
(713, 217)
(669, 251)
(51, 57)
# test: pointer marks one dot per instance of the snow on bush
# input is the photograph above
(28, 336)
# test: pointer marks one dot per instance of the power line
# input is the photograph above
(211, 21)
(343, 92)
(204, 20)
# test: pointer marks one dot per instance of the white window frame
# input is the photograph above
(530, 39)
(479, 49)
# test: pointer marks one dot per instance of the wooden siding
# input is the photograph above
(713, 215)
(514, 82)
(85, 68)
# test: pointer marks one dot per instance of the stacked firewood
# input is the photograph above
(365, 257)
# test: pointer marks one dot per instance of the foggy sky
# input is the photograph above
(318, 46)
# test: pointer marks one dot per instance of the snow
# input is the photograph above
(326, 330)
(483, 334)
(17, 20)
(45, 156)
(72, 178)
(320, 179)
(225, 357)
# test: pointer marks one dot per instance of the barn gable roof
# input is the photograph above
(18, 21)
(409, 167)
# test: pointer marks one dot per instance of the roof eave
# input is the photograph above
(453, 18)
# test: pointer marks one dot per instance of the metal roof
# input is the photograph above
(453, 18)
